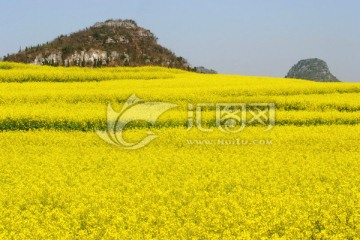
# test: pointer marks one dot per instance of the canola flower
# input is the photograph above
(72, 185)
(59, 180)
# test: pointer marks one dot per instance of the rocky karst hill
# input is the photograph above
(109, 43)
(312, 69)
(202, 69)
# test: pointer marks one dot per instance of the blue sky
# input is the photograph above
(256, 37)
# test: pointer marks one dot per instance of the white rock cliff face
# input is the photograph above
(53, 58)
(81, 58)
(116, 23)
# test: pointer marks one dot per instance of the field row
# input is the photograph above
(347, 102)
(182, 86)
(13, 72)
(89, 119)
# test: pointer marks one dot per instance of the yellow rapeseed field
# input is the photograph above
(59, 180)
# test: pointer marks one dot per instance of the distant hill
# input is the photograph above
(109, 43)
(202, 69)
(312, 69)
